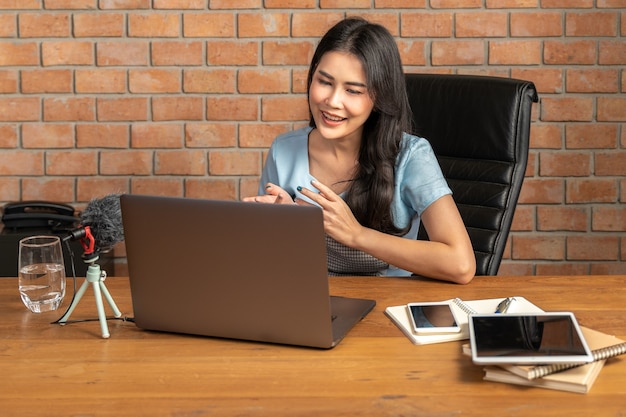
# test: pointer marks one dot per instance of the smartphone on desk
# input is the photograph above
(433, 318)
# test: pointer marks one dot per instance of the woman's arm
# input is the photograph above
(448, 255)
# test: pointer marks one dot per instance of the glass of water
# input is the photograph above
(41, 273)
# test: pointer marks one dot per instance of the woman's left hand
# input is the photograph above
(339, 221)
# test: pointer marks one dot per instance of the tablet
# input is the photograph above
(538, 338)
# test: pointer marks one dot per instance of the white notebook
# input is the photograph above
(462, 309)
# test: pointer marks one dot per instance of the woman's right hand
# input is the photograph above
(274, 195)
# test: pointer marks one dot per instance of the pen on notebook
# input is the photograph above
(504, 305)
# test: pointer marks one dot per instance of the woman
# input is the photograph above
(373, 180)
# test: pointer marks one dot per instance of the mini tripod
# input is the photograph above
(94, 276)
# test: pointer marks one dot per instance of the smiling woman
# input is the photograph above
(373, 179)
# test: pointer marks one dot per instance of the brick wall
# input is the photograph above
(183, 97)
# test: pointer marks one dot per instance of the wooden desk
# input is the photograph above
(71, 371)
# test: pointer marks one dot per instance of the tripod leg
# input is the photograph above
(116, 311)
(103, 320)
(79, 295)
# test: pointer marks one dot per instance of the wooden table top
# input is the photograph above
(52, 370)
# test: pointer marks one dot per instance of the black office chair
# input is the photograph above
(479, 128)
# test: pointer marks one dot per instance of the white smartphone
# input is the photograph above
(433, 318)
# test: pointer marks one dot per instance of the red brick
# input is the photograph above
(412, 52)
(210, 135)
(591, 136)
(177, 108)
(234, 162)
(591, 24)
(39, 25)
(46, 81)
(613, 52)
(232, 52)
(608, 268)
(102, 135)
(567, 109)
(21, 4)
(71, 163)
(470, 52)
(179, 4)
(542, 191)
(122, 109)
(18, 162)
(71, 4)
(480, 25)
(177, 53)
(592, 248)
(69, 109)
(610, 163)
(157, 25)
(8, 81)
(67, 53)
(48, 189)
(8, 25)
(8, 137)
(47, 135)
(209, 81)
(209, 25)
(510, 4)
(15, 109)
(564, 164)
(129, 53)
(455, 4)
(538, 247)
(391, 21)
(181, 162)
(583, 4)
(232, 108)
(514, 269)
(100, 80)
(563, 218)
(340, 4)
(546, 136)
(515, 52)
(609, 218)
(400, 4)
(569, 52)
(523, 219)
(172, 187)
(591, 191)
(153, 135)
(284, 108)
(19, 54)
(98, 24)
(611, 109)
(313, 25)
(88, 188)
(248, 187)
(591, 81)
(562, 268)
(239, 4)
(426, 25)
(540, 24)
(10, 189)
(126, 162)
(215, 189)
(260, 25)
(253, 81)
(287, 53)
(298, 82)
(260, 135)
(124, 4)
(147, 81)
(611, 4)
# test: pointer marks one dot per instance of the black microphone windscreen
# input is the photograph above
(104, 217)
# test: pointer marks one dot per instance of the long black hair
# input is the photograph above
(371, 191)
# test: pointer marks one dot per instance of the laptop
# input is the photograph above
(233, 269)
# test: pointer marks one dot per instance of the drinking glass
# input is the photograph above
(41, 273)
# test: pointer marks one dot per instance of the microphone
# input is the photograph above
(101, 226)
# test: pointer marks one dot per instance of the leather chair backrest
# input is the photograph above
(479, 128)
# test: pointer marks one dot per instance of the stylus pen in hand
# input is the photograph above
(504, 305)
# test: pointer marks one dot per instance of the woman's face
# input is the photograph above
(339, 98)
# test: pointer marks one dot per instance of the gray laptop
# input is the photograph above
(235, 270)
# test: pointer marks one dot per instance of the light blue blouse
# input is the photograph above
(418, 178)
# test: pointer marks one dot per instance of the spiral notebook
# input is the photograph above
(462, 309)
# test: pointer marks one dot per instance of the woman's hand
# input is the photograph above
(339, 222)
(275, 195)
